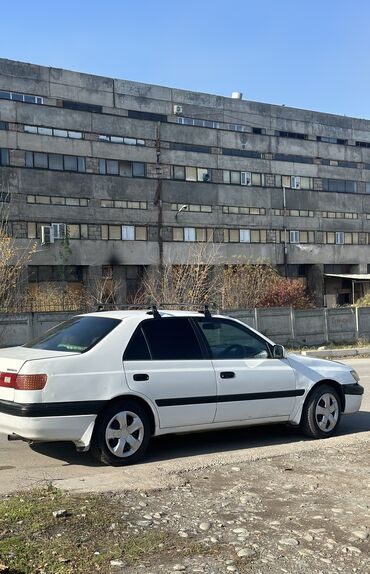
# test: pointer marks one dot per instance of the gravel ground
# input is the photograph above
(302, 513)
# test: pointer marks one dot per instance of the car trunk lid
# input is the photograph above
(12, 359)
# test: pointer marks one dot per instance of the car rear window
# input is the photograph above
(76, 335)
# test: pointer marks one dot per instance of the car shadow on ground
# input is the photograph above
(179, 446)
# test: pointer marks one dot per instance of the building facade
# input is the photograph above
(137, 172)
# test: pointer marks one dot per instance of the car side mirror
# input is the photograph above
(278, 352)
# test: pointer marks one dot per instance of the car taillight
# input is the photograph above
(23, 382)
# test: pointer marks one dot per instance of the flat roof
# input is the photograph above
(352, 276)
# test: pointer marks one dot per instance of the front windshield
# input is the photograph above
(77, 335)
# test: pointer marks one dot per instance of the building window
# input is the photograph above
(199, 234)
(192, 207)
(242, 178)
(82, 107)
(328, 139)
(362, 144)
(4, 157)
(189, 173)
(294, 135)
(233, 209)
(294, 236)
(150, 116)
(241, 153)
(179, 172)
(244, 236)
(138, 169)
(292, 158)
(190, 147)
(339, 237)
(123, 204)
(4, 125)
(54, 161)
(26, 98)
(128, 232)
(120, 140)
(197, 122)
(57, 200)
(339, 185)
(53, 132)
(189, 234)
(124, 232)
(108, 167)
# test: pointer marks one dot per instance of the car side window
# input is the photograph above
(171, 339)
(228, 340)
(137, 348)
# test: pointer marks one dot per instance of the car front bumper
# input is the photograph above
(353, 397)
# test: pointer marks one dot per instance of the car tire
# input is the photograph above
(121, 434)
(321, 412)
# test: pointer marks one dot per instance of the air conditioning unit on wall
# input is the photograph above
(245, 178)
(177, 110)
(47, 234)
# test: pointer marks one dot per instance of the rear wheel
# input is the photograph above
(121, 435)
(321, 412)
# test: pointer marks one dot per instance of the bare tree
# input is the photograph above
(202, 278)
(194, 281)
(14, 261)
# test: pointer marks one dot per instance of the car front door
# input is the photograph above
(250, 383)
(164, 361)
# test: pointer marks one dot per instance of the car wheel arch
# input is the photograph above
(136, 399)
(331, 383)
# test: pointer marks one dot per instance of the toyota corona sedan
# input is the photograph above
(110, 381)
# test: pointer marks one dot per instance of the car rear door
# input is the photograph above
(165, 362)
(250, 383)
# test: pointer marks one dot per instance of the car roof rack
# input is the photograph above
(153, 308)
(154, 312)
(205, 310)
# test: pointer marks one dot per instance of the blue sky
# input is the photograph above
(310, 54)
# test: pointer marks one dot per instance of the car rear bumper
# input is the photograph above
(43, 422)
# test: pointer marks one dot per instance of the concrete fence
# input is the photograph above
(285, 326)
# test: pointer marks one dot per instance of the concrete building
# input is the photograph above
(137, 172)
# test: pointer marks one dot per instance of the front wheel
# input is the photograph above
(121, 435)
(321, 412)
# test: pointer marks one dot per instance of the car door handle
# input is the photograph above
(227, 375)
(141, 377)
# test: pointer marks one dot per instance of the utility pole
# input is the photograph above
(158, 196)
(285, 231)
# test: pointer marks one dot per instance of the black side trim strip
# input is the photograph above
(51, 409)
(228, 398)
(353, 389)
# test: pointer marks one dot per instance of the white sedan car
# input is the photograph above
(112, 380)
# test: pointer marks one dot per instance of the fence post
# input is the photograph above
(292, 326)
(256, 318)
(357, 324)
(326, 329)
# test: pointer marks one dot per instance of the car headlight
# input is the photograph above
(355, 375)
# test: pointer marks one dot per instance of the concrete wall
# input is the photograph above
(285, 326)
(118, 99)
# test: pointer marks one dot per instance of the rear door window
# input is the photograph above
(171, 339)
(137, 348)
